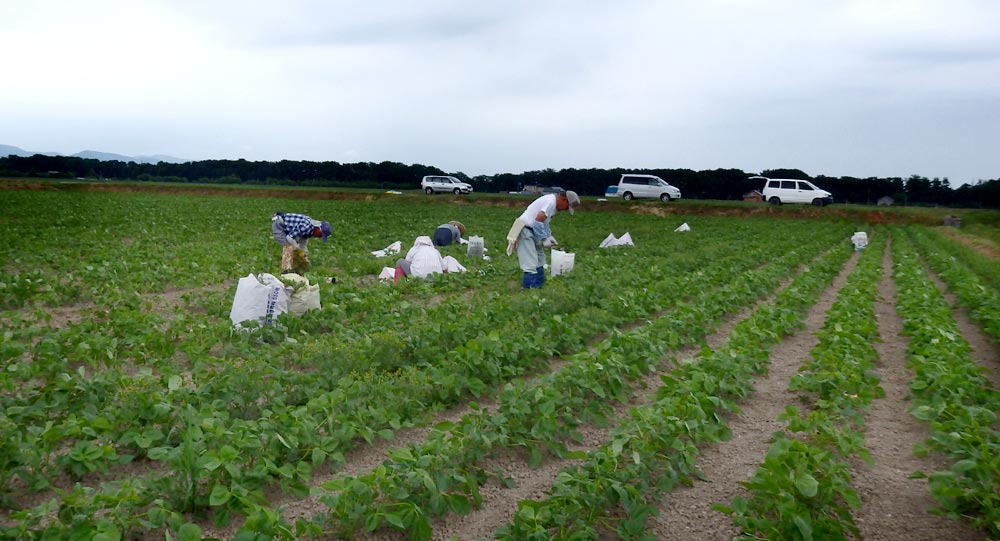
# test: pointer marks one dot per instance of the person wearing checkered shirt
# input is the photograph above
(293, 231)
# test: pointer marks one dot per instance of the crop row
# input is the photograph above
(802, 489)
(973, 289)
(982, 264)
(951, 395)
(654, 449)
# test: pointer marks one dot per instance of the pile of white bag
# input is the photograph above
(262, 298)
(611, 240)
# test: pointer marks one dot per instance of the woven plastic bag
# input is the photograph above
(259, 298)
(304, 296)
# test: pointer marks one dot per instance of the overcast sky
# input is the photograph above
(860, 88)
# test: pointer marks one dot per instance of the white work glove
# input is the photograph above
(549, 242)
(292, 242)
(511, 244)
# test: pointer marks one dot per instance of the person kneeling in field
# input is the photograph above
(424, 259)
(292, 232)
(448, 233)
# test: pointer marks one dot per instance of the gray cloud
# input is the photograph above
(845, 87)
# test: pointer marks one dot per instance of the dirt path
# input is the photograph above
(686, 513)
(893, 506)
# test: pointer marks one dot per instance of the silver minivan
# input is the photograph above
(784, 190)
(634, 185)
(444, 184)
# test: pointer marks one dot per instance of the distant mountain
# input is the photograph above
(8, 150)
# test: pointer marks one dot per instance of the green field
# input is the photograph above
(132, 408)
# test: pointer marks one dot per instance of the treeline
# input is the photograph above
(388, 175)
(724, 184)
(731, 184)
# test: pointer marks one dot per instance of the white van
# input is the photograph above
(651, 186)
(783, 190)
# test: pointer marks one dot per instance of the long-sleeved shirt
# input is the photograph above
(298, 226)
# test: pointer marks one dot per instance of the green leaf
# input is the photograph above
(210, 463)
(421, 531)
(459, 504)
(429, 483)
(445, 426)
(804, 526)
(107, 536)
(806, 485)
(159, 453)
(318, 456)
(964, 465)
(189, 532)
(396, 520)
(616, 446)
(220, 495)
(174, 382)
(372, 521)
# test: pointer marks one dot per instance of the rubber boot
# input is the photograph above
(540, 274)
(527, 280)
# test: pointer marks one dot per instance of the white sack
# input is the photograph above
(683, 227)
(562, 262)
(450, 264)
(393, 248)
(304, 299)
(304, 296)
(860, 240)
(611, 240)
(477, 246)
(388, 273)
(259, 299)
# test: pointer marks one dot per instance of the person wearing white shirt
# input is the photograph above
(531, 234)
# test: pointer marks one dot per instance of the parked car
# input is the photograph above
(444, 184)
(782, 190)
(649, 186)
